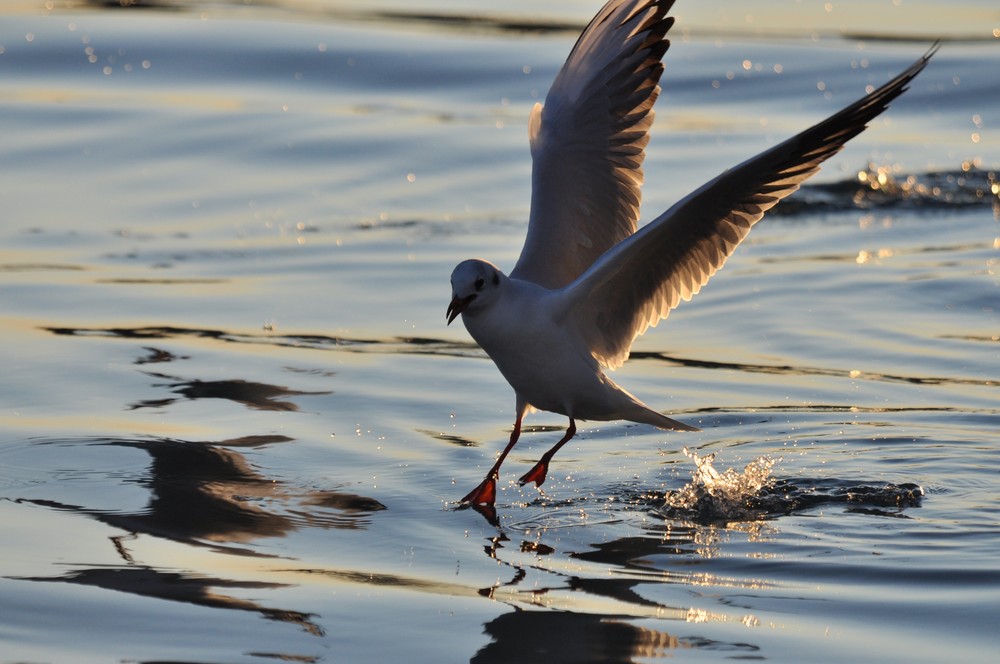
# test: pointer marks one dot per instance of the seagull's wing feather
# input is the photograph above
(588, 142)
(640, 280)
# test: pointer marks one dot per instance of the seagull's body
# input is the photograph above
(547, 360)
(587, 281)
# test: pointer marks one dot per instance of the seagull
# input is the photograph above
(587, 282)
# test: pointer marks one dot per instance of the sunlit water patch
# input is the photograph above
(886, 188)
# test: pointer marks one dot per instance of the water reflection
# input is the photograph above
(204, 494)
(160, 5)
(577, 638)
(407, 345)
(449, 438)
(582, 607)
(157, 355)
(259, 396)
(190, 589)
(793, 370)
(202, 491)
(208, 494)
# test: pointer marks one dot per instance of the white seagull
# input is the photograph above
(587, 283)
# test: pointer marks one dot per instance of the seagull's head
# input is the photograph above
(474, 284)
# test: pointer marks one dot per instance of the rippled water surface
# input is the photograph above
(233, 423)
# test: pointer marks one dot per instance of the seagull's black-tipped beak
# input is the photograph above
(457, 306)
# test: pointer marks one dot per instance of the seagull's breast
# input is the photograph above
(543, 358)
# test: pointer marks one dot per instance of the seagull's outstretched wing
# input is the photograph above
(588, 142)
(641, 279)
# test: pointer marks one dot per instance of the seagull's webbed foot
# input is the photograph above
(541, 469)
(484, 494)
(536, 474)
(482, 499)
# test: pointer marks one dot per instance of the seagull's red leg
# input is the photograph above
(540, 469)
(486, 492)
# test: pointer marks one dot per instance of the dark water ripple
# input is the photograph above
(884, 188)
(189, 589)
(782, 497)
(263, 396)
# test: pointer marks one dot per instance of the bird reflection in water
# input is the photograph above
(207, 494)
(596, 615)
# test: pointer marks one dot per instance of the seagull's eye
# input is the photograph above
(479, 284)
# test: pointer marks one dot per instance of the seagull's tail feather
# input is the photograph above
(628, 407)
(647, 416)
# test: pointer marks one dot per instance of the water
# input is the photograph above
(233, 424)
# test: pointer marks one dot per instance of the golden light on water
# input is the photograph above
(865, 256)
(877, 177)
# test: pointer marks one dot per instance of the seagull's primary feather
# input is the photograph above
(588, 142)
(640, 280)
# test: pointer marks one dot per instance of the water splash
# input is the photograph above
(727, 496)
(755, 494)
